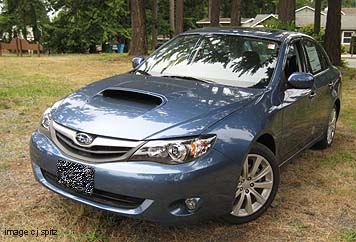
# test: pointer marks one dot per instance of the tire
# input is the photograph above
(258, 190)
(329, 133)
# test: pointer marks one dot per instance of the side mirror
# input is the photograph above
(301, 80)
(136, 61)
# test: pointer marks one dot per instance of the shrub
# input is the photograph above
(309, 30)
(276, 24)
(344, 49)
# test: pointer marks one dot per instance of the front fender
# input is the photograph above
(237, 132)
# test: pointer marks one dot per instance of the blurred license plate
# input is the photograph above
(75, 176)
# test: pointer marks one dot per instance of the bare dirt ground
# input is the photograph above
(316, 200)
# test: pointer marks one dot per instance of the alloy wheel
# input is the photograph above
(254, 186)
(331, 126)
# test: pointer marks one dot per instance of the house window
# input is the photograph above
(346, 37)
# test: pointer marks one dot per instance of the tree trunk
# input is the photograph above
(179, 16)
(317, 16)
(35, 29)
(287, 11)
(236, 12)
(333, 31)
(24, 33)
(171, 15)
(138, 44)
(215, 13)
(154, 24)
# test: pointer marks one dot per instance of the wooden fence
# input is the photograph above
(20, 45)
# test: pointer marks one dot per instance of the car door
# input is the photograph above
(318, 65)
(297, 104)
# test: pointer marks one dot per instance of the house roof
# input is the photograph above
(349, 11)
(224, 20)
(260, 18)
(326, 11)
(309, 8)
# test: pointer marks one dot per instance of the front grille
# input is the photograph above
(102, 149)
(94, 152)
(98, 196)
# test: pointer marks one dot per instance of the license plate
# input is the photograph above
(76, 176)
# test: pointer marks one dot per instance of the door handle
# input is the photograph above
(312, 95)
(331, 84)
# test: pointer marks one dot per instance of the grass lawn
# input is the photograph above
(316, 200)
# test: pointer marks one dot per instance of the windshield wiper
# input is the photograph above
(145, 73)
(191, 78)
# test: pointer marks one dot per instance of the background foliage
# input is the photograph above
(80, 25)
(77, 26)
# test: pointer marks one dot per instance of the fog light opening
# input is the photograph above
(191, 204)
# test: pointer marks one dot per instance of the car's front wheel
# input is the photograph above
(257, 185)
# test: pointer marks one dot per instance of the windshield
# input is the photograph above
(224, 59)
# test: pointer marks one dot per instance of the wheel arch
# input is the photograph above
(267, 140)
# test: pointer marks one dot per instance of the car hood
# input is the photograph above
(143, 107)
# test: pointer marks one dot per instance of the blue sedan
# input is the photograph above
(198, 129)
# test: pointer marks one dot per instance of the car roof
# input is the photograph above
(272, 34)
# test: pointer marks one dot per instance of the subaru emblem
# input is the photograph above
(84, 139)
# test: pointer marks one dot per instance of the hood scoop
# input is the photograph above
(134, 98)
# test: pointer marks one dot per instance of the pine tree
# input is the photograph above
(138, 44)
(332, 32)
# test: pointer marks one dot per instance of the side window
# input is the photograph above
(323, 58)
(315, 58)
(293, 63)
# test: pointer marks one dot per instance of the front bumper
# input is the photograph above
(158, 189)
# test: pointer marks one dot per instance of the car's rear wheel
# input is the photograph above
(257, 185)
(328, 137)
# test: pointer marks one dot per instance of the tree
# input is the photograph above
(18, 15)
(194, 10)
(236, 12)
(311, 3)
(349, 3)
(214, 10)
(250, 7)
(81, 25)
(154, 23)
(317, 16)
(138, 44)
(171, 15)
(179, 16)
(332, 32)
(287, 12)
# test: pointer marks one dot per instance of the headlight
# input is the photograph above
(174, 151)
(46, 119)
